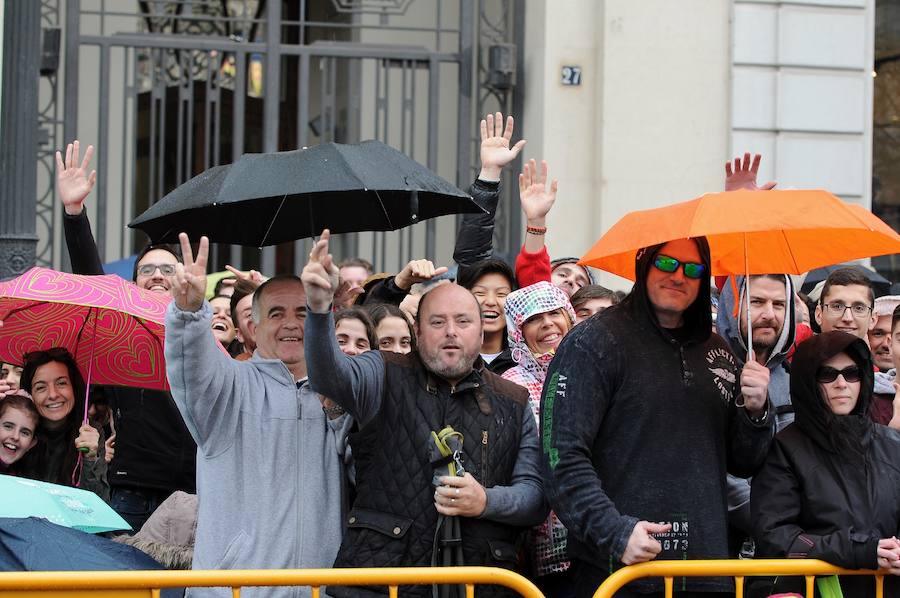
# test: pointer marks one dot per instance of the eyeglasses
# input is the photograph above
(670, 264)
(149, 269)
(827, 374)
(836, 309)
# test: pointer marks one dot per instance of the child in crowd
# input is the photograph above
(19, 419)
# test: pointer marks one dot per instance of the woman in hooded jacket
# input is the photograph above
(830, 486)
(537, 319)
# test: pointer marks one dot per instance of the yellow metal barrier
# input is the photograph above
(148, 583)
(738, 569)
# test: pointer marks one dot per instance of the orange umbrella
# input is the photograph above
(752, 232)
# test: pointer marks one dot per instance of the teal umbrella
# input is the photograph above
(68, 507)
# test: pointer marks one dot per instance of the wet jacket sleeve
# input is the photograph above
(749, 442)
(475, 238)
(532, 267)
(577, 393)
(81, 245)
(205, 382)
(356, 384)
(739, 503)
(522, 502)
(385, 291)
(775, 503)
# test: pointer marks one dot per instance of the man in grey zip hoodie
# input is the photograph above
(269, 470)
(773, 321)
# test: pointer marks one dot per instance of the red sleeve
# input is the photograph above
(532, 267)
(802, 333)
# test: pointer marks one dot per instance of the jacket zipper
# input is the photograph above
(298, 484)
(484, 463)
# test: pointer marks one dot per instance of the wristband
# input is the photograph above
(333, 411)
(536, 230)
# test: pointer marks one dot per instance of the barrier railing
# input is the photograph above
(738, 569)
(149, 583)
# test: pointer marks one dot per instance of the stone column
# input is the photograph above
(18, 130)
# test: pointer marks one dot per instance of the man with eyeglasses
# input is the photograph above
(644, 411)
(846, 303)
(154, 452)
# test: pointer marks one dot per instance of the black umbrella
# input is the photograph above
(880, 284)
(265, 199)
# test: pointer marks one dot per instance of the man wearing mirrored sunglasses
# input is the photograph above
(846, 303)
(644, 411)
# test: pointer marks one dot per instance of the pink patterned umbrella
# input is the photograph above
(114, 329)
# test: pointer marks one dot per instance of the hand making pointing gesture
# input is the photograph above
(320, 276)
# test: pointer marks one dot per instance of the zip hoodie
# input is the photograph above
(779, 381)
(729, 328)
(639, 422)
(547, 541)
(270, 470)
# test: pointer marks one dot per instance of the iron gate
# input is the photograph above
(167, 88)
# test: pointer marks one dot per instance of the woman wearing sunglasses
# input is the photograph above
(830, 487)
(68, 451)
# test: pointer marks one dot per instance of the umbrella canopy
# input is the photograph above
(62, 505)
(113, 328)
(880, 284)
(752, 232)
(265, 199)
(34, 544)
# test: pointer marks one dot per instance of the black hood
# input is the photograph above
(698, 316)
(813, 416)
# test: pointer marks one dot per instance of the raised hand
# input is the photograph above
(536, 198)
(251, 276)
(743, 174)
(73, 183)
(320, 276)
(417, 271)
(189, 284)
(346, 294)
(495, 150)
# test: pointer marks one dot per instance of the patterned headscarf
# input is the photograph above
(547, 542)
(539, 298)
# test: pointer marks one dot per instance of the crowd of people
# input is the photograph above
(515, 416)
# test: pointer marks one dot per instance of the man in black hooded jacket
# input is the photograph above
(642, 416)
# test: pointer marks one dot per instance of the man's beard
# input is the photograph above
(766, 344)
(456, 371)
